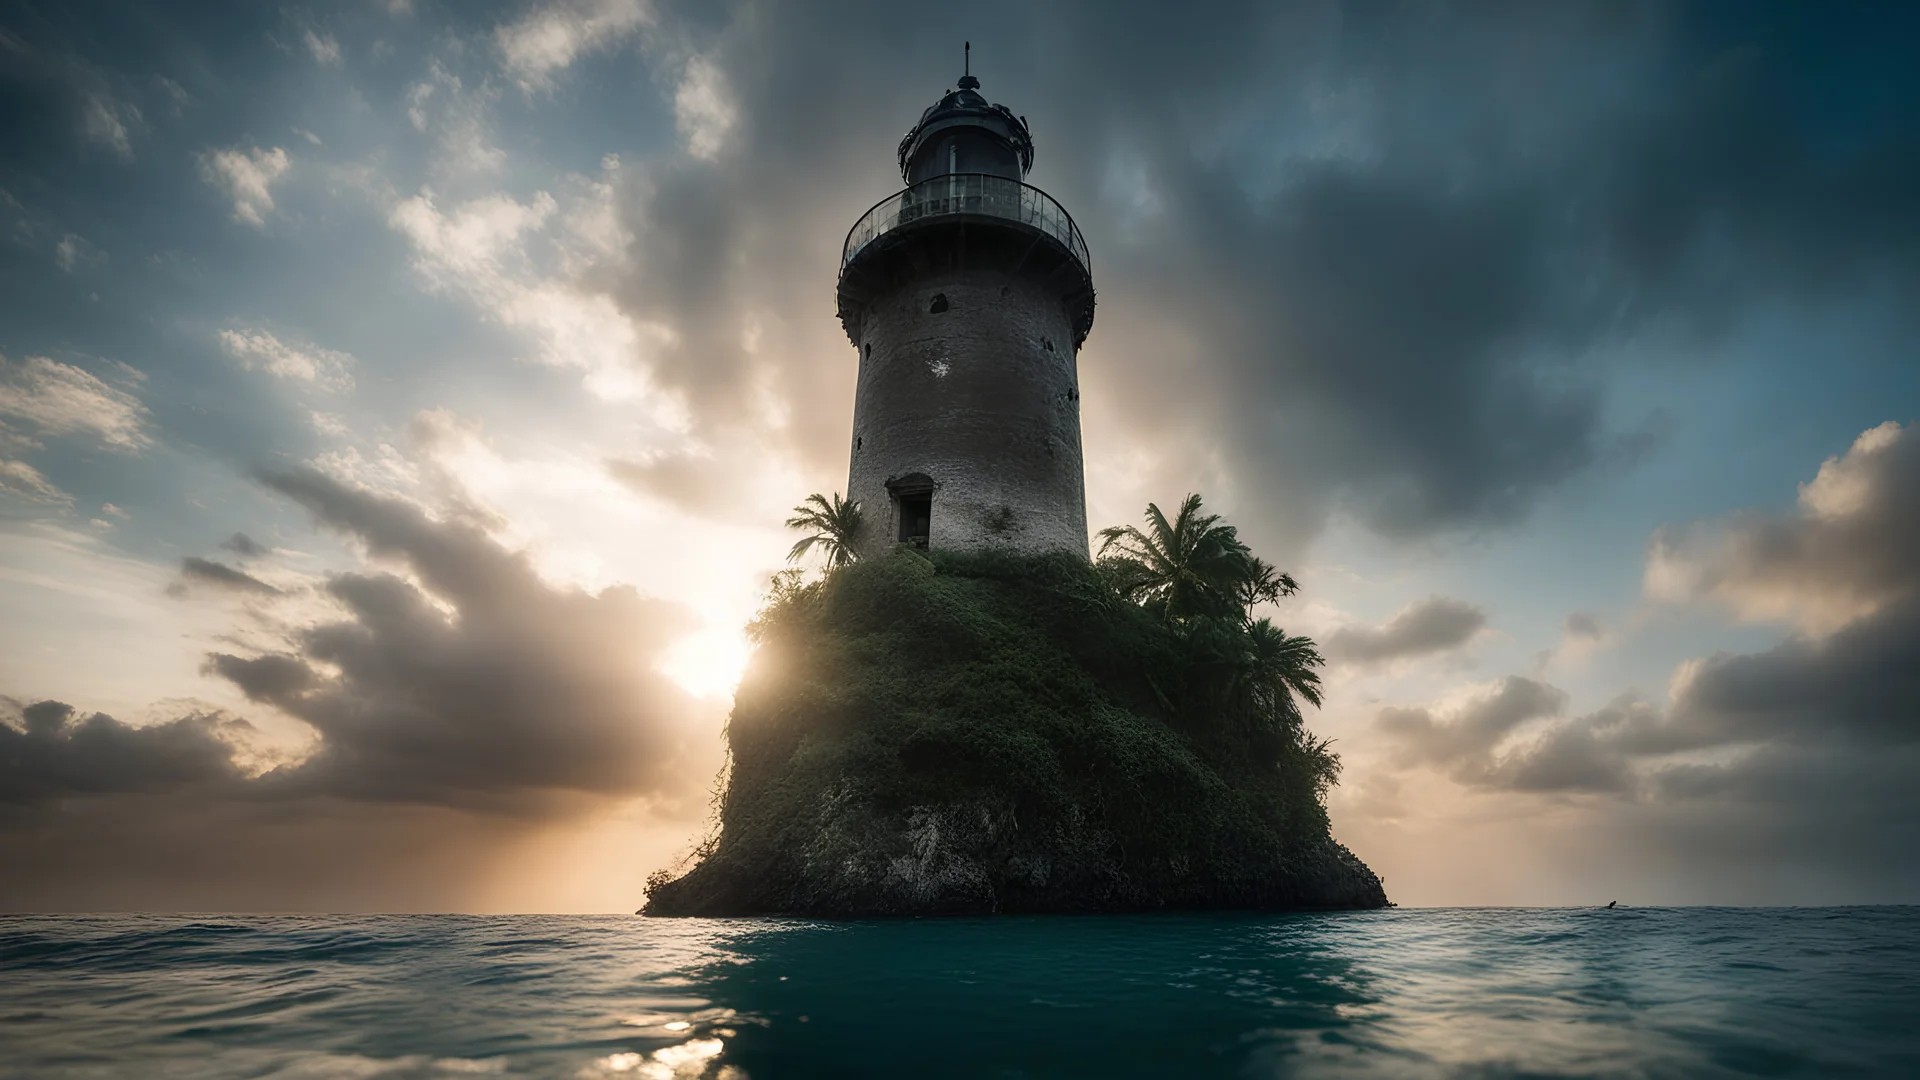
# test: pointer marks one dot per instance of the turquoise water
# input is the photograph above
(1424, 993)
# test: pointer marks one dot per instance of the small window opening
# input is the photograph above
(858, 442)
(939, 304)
(1048, 342)
(913, 505)
(869, 354)
(916, 518)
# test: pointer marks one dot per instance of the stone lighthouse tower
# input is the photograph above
(967, 296)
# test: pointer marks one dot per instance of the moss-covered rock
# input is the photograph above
(991, 733)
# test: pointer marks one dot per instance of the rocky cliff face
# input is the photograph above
(973, 735)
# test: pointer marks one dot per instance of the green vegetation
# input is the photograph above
(831, 524)
(986, 732)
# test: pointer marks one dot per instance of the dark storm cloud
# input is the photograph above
(1433, 625)
(196, 570)
(1415, 323)
(48, 752)
(1378, 255)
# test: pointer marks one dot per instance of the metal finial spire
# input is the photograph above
(966, 60)
(967, 81)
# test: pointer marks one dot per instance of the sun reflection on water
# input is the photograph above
(685, 1061)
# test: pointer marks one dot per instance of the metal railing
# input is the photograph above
(981, 194)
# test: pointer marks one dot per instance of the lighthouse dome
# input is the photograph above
(963, 133)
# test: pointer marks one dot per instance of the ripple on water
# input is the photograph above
(1467, 993)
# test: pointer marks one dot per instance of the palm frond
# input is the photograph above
(831, 524)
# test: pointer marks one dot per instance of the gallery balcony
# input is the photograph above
(968, 221)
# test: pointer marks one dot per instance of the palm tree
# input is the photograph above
(1264, 583)
(834, 524)
(1278, 668)
(1191, 566)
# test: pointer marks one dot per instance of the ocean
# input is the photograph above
(1483, 993)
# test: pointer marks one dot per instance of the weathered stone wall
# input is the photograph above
(984, 399)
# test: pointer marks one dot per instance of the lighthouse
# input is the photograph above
(967, 296)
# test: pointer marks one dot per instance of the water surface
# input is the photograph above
(1694, 992)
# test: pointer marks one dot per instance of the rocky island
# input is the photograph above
(936, 732)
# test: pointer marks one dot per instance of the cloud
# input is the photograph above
(23, 480)
(247, 177)
(49, 752)
(692, 483)
(733, 484)
(1842, 700)
(703, 108)
(1852, 546)
(1858, 685)
(550, 37)
(1461, 735)
(472, 680)
(73, 251)
(484, 249)
(1433, 625)
(456, 112)
(477, 244)
(221, 576)
(107, 122)
(322, 46)
(1847, 562)
(244, 546)
(260, 350)
(446, 672)
(1581, 635)
(1797, 755)
(55, 400)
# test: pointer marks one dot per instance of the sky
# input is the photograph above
(399, 402)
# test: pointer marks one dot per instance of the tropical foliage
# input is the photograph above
(1204, 583)
(831, 524)
(1191, 567)
(1238, 676)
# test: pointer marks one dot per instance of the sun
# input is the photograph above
(708, 664)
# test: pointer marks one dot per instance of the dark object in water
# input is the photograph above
(1610, 904)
